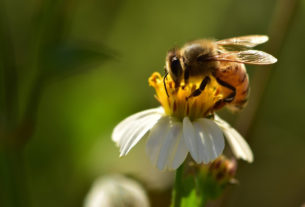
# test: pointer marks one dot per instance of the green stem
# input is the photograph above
(8, 61)
(14, 191)
(177, 192)
(204, 192)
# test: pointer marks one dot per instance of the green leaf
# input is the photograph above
(67, 59)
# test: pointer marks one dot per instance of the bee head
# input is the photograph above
(173, 66)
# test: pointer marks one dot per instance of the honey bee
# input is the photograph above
(223, 59)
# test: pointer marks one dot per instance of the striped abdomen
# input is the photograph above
(236, 75)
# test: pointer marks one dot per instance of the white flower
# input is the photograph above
(181, 125)
(116, 191)
(169, 139)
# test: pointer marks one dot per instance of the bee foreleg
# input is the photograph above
(202, 86)
(232, 95)
(186, 75)
(164, 78)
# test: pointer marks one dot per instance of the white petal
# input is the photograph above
(130, 131)
(211, 133)
(136, 132)
(204, 139)
(213, 137)
(190, 139)
(119, 130)
(237, 143)
(165, 145)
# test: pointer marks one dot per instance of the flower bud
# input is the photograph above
(223, 170)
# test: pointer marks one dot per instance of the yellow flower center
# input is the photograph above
(179, 104)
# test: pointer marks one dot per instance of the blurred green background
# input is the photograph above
(71, 70)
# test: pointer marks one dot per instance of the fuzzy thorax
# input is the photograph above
(178, 105)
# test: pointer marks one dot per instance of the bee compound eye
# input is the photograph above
(176, 67)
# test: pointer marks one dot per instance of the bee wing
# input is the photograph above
(254, 57)
(246, 41)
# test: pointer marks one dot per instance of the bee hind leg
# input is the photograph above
(232, 95)
(202, 86)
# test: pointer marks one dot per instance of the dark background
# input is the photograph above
(71, 70)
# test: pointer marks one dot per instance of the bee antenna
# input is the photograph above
(166, 73)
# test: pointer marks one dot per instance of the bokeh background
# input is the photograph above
(71, 70)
